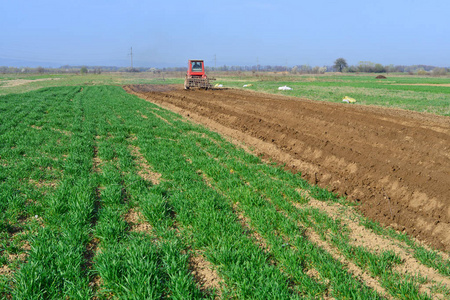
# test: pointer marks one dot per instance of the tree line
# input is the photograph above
(340, 65)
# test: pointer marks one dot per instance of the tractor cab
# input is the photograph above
(196, 68)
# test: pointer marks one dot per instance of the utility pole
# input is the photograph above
(131, 54)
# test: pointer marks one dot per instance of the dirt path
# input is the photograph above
(395, 163)
(16, 82)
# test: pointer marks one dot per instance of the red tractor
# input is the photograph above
(196, 76)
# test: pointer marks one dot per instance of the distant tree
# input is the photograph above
(305, 69)
(294, 70)
(400, 68)
(352, 69)
(40, 69)
(390, 68)
(379, 68)
(322, 70)
(83, 70)
(366, 66)
(340, 64)
(439, 72)
(422, 72)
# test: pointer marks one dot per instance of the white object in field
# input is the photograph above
(247, 85)
(347, 99)
(218, 85)
(284, 88)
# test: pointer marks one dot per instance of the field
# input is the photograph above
(107, 195)
(378, 157)
(423, 94)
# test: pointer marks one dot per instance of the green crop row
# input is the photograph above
(132, 265)
(33, 147)
(55, 262)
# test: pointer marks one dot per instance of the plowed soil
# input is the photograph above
(395, 163)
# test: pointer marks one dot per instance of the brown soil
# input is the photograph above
(380, 77)
(205, 274)
(364, 276)
(361, 236)
(5, 270)
(145, 171)
(134, 218)
(395, 163)
(245, 223)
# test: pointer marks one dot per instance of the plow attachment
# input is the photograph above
(203, 83)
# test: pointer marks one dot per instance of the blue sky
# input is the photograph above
(168, 33)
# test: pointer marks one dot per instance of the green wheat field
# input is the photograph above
(106, 196)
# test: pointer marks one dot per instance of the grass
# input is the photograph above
(397, 92)
(70, 176)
